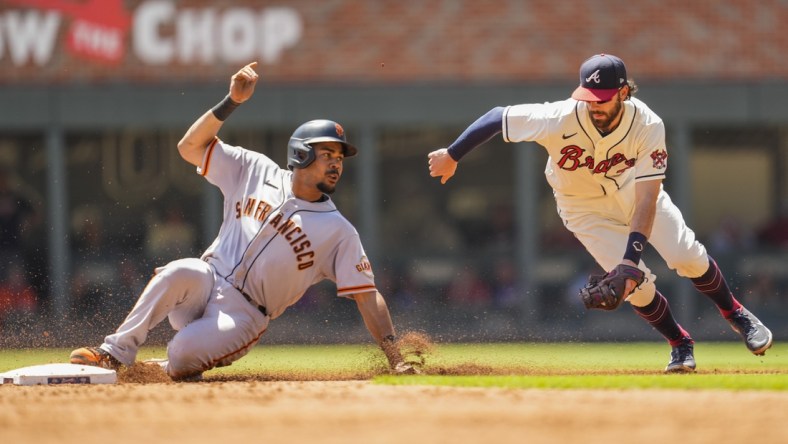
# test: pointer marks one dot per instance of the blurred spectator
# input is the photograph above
(130, 283)
(18, 305)
(17, 216)
(18, 299)
(499, 236)
(775, 233)
(413, 222)
(21, 242)
(506, 292)
(170, 238)
(405, 293)
(556, 237)
(730, 236)
(469, 291)
(95, 261)
(761, 289)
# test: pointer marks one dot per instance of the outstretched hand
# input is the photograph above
(397, 362)
(405, 368)
(442, 165)
(243, 82)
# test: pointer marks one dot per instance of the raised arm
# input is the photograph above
(197, 138)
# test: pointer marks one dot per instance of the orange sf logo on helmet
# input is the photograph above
(340, 130)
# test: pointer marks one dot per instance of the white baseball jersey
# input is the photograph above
(271, 245)
(593, 178)
(582, 162)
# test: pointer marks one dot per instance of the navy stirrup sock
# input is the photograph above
(712, 284)
(657, 313)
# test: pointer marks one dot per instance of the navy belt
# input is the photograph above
(259, 307)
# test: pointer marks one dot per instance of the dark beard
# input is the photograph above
(605, 125)
(326, 188)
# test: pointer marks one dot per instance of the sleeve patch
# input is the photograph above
(364, 266)
(660, 158)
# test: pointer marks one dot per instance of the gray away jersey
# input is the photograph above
(272, 245)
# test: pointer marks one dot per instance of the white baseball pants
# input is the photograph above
(602, 226)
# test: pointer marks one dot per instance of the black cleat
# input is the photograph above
(682, 359)
(756, 336)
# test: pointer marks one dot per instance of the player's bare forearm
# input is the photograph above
(202, 132)
(642, 222)
(646, 194)
(377, 318)
(442, 165)
(375, 313)
(197, 138)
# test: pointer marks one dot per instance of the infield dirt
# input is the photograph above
(360, 411)
(146, 406)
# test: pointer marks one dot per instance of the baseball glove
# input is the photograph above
(606, 292)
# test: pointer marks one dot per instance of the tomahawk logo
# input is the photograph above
(98, 27)
(594, 77)
(156, 32)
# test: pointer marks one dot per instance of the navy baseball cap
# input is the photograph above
(601, 76)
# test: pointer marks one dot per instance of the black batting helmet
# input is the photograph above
(299, 149)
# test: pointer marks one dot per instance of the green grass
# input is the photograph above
(725, 366)
(320, 360)
(608, 357)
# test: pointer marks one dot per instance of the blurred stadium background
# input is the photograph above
(95, 95)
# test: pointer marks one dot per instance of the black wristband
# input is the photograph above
(635, 246)
(223, 109)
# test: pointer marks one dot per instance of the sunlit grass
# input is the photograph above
(727, 366)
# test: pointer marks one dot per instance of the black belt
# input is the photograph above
(259, 307)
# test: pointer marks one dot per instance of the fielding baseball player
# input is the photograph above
(281, 234)
(607, 160)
